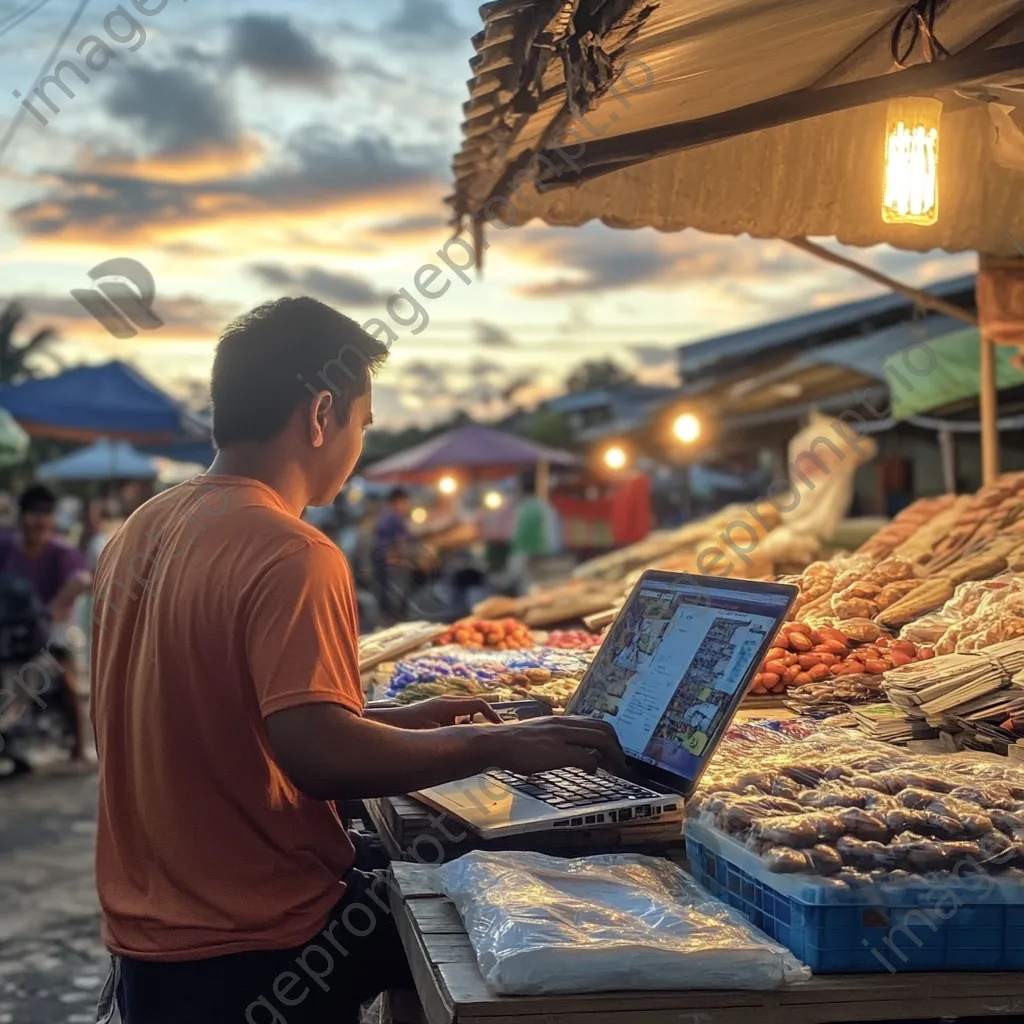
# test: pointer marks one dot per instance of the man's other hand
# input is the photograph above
(436, 713)
(544, 744)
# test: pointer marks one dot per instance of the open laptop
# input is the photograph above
(669, 678)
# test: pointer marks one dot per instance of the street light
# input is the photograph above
(686, 428)
(448, 485)
(615, 457)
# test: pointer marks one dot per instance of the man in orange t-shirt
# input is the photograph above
(229, 715)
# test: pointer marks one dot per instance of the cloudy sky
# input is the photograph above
(241, 153)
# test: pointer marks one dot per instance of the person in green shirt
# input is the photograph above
(534, 534)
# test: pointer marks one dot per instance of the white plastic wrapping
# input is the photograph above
(543, 925)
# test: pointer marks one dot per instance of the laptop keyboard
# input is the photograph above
(567, 788)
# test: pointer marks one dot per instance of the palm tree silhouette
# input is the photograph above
(16, 356)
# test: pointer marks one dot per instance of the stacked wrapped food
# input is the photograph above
(861, 813)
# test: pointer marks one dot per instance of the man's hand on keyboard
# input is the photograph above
(543, 744)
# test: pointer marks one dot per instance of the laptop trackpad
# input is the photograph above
(484, 802)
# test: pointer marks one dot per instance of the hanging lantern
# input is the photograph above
(911, 194)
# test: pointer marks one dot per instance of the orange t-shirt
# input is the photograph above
(215, 606)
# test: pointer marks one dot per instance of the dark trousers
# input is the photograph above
(352, 959)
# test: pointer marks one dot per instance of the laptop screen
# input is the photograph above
(668, 674)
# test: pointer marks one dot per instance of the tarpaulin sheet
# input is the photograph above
(942, 371)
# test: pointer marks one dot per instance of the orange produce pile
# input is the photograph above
(502, 634)
(803, 654)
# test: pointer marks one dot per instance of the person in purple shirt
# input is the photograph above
(390, 533)
(52, 568)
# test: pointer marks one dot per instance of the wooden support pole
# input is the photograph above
(947, 450)
(543, 481)
(924, 299)
(989, 402)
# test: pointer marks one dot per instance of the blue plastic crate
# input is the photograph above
(973, 923)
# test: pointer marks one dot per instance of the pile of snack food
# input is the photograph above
(503, 635)
(573, 640)
(939, 578)
(829, 663)
(542, 674)
(863, 813)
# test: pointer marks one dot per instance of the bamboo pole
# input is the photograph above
(924, 299)
(947, 449)
(989, 403)
(543, 479)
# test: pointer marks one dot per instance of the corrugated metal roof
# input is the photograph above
(819, 327)
(699, 59)
(534, 60)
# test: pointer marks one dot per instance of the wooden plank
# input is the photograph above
(605, 155)
(988, 402)
(416, 880)
(437, 1005)
(435, 917)
(449, 949)
(824, 999)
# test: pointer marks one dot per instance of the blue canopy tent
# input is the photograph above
(104, 460)
(112, 400)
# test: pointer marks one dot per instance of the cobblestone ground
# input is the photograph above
(52, 963)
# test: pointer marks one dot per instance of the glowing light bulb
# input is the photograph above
(418, 515)
(686, 428)
(615, 457)
(911, 188)
(493, 500)
(448, 485)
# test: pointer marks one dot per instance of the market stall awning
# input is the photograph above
(735, 117)
(952, 374)
(480, 452)
(111, 400)
(103, 460)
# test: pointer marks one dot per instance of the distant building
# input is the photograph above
(603, 411)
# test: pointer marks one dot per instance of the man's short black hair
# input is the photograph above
(397, 494)
(276, 356)
(37, 498)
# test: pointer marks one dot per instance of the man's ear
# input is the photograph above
(319, 411)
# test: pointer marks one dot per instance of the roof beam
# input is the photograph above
(920, 298)
(606, 155)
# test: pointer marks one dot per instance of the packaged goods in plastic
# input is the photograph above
(878, 836)
(544, 925)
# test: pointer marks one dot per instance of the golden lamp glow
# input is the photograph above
(911, 194)
(615, 457)
(493, 500)
(418, 515)
(686, 428)
(448, 485)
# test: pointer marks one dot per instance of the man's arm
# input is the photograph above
(330, 753)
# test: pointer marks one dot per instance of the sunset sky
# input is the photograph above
(241, 153)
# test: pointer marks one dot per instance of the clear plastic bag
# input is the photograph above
(543, 925)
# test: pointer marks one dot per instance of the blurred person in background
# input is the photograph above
(57, 575)
(389, 552)
(536, 535)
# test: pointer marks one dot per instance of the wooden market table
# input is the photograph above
(452, 990)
